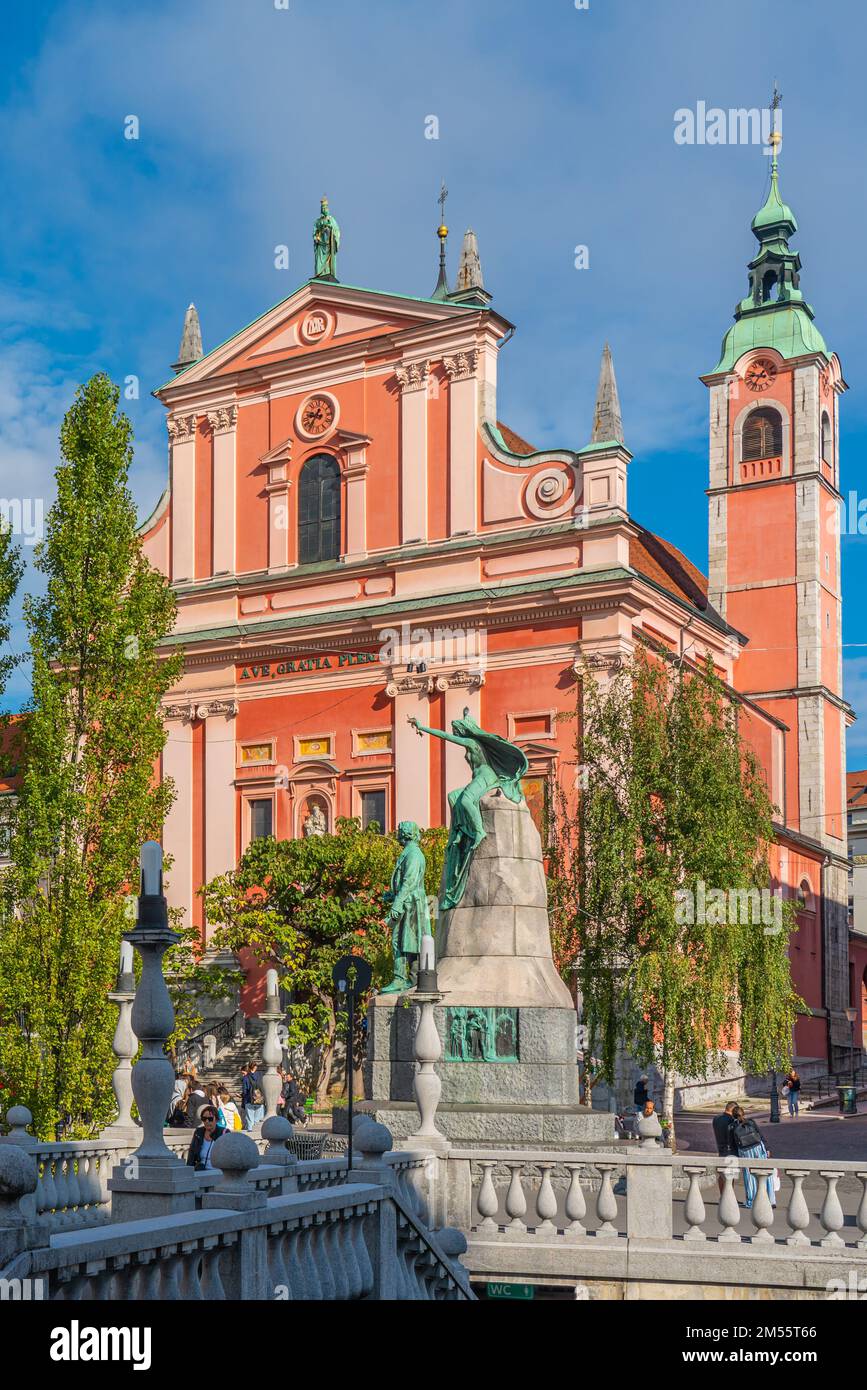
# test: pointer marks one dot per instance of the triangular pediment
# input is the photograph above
(317, 317)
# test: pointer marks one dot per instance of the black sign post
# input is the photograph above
(352, 976)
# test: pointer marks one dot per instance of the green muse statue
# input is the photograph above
(494, 763)
(326, 241)
(409, 917)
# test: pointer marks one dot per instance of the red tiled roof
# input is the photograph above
(856, 788)
(514, 441)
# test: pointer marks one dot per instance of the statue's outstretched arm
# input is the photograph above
(438, 733)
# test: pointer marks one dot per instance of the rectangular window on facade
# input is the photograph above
(318, 746)
(537, 725)
(261, 818)
(370, 741)
(373, 809)
(257, 753)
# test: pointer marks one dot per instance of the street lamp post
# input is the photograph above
(775, 1099)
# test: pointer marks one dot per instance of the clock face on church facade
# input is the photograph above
(317, 415)
(760, 374)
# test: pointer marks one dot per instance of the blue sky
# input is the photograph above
(555, 130)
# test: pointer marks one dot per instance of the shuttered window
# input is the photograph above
(763, 435)
(319, 510)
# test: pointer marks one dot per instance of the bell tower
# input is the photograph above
(774, 563)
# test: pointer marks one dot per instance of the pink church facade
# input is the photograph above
(355, 540)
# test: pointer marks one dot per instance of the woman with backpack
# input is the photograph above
(749, 1143)
(792, 1091)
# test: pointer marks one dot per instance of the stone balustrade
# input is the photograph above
(658, 1219)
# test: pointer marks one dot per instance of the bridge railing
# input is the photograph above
(534, 1196)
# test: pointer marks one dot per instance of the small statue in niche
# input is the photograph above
(315, 824)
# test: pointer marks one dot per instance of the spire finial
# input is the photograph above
(190, 349)
(775, 139)
(470, 268)
(442, 285)
(607, 420)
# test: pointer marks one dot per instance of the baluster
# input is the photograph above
(728, 1209)
(487, 1202)
(762, 1211)
(516, 1202)
(606, 1202)
(212, 1285)
(61, 1186)
(322, 1259)
(861, 1217)
(831, 1215)
(169, 1270)
(546, 1202)
(73, 1195)
(362, 1253)
(337, 1264)
(798, 1214)
(346, 1234)
(694, 1208)
(576, 1207)
(278, 1265)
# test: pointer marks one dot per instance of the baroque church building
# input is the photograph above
(356, 538)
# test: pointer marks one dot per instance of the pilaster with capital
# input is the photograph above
(223, 422)
(463, 467)
(412, 378)
(182, 476)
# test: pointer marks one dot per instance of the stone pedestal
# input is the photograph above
(506, 1022)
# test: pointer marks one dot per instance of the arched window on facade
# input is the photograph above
(805, 905)
(319, 510)
(763, 435)
(826, 437)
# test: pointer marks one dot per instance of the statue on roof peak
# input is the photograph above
(326, 240)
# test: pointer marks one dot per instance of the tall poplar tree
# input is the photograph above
(88, 794)
(660, 874)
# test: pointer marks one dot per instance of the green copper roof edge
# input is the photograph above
(306, 620)
(526, 460)
(360, 289)
(752, 326)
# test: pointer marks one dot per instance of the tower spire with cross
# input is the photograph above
(442, 285)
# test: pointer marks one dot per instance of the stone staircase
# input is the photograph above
(226, 1069)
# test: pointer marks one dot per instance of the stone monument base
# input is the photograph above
(526, 1098)
(474, 1126)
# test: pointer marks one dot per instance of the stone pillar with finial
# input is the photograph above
(125, 1046)
(272, 1048)
(427, 1086)
(152, 1181)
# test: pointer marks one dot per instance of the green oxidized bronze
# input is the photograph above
(476, 1034)
(326, 241)
(408, 918)
(495, 763)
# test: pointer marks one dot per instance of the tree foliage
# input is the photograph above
(672, 805)
(301, 905)
(88, 797)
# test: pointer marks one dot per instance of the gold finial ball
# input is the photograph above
(442, 230)
(775, 138)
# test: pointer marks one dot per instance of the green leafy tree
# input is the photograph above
(89, 744)
(660, 871)
(301, 905)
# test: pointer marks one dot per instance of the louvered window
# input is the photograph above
(763, 435)
(319, 510)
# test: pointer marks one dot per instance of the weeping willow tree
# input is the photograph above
(663, 878)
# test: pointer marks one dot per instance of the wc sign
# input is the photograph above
(521, 1291)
